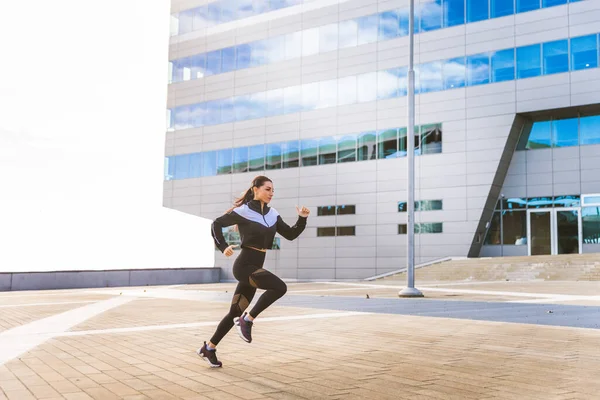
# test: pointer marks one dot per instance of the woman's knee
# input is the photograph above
(281, 288)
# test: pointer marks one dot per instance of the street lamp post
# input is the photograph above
(410, 290)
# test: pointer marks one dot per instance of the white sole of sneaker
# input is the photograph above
(238, 328)
(207, 360)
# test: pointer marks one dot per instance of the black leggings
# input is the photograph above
(248, 270)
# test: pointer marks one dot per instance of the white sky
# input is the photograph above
(82, 129)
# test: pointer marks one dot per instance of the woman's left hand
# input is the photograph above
(303, 212)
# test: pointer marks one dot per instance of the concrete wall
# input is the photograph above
(476, 125)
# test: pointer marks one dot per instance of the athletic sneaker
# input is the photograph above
(210, 356)
(244, 328)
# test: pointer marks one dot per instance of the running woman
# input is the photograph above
(257, 224)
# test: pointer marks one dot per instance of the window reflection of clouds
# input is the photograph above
(350, 33)
(458, 72)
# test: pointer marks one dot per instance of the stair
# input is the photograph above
(567, 267)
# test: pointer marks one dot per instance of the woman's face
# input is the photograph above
(264, 193)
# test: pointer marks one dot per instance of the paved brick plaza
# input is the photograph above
(498, 340)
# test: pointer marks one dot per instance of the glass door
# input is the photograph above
(568, 231)
(539, 232)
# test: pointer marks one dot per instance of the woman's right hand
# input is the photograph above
(229, 250)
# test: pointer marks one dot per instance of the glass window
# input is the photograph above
(181, 69)
(201, 18)
(181, 117)
(590, 199)
(387, 85)
(430, 227)
(325, 210)
(274, 102)
(327, 150)
(368, 87)
(228, 59)
(402, 229)
(240, 160)
(227, 110)
(308, 151)
(209, 163)
(429, 205)
(346, 231)
(273, 160)
(556, 57)
(214, 13)
(590, 218)
(224, 161)
(272, 50)
(170, 168)
(293, 45)
(368, 29)
(493, 234)
(589, 130)
(478, 69)
(454, 12)
(326, 231)
(367, 146)
(431, 139)
(328, 93)
(348, 34)
(513, 204)
(501, 8)
(182, 166)
(503, 65)
(243, 56)
(242, 107)
(567, 201)
(229, 10)
(257, 105)
(310, 96)
(514, 227)
(528, 61)
(174, 25)
(402, 132)
(454, 73)
(564, 132)
(477, 10)
(292, 99)
(213, 62)
(290, 154)
(389, 23)
(539, 202)
(213, 113)
(186, 21)
(346, 149)
(540, 137)
(388, 143)
(198, 66)
(328, 38)
(428, 77)
(527, 5)
(402, 73)
(347, 90)
(403, 17)
(584, 52)
(552, 3)
(310, 42)
(256, 155)
(431, 16)
(346, 210)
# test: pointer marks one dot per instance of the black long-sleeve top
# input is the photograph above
(257, 227)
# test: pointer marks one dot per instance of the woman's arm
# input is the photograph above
(292, 232)
(231, 218)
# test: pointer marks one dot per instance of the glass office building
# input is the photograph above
(312, 93)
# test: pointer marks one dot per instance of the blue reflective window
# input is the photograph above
(584, 52)
(564, 132)
(454, 12)
(310, 96)
(228, 59)
(556, 57)
(478, 70)
(292, 99)
(182, 166)
(387, 84)
(257, 105)
(213, 112)
(242, 107)
(290, 154)
(346, 149)
(202, 18)
(224, 161)
(209, 163)
(368, 29)
(527, 5)
(428, 77)
(347, 90)
(348, 34)
(529, 61)
(552, 3)
(328, 93)
(328, 38)
(273, 156)
(274, 102)
(501, 8)
(227, 111)
(387, 143)
(327, 150)
(403, 18)
(195, 165)
(198, 66)
(214, 13)
(589, 130)
(540, 137)
(368, 87)
(454, 73)
(477, 10)
(402, 73)
(308, 151)
(170, 167)
(243, 56)
(240, 160)
(431, 16)
(186, 21)
(503, 65)
(182, 117)
(256, 154)
(197, 114)
(213, 62)
(367, 146)
(389, 25)
(293, 45)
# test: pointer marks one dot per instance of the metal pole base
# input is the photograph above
(410, 292)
